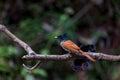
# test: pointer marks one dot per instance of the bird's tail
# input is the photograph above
(85, 54)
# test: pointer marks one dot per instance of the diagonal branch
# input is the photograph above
(17, 40)
(26, 47)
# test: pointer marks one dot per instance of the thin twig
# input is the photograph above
(33, 67)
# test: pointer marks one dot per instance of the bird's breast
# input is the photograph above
(65, 48)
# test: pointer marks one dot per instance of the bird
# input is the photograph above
(71, 47)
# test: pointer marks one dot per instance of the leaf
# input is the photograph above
(6, 51)
(70, 77)
(29, 77)
(63, 17)
(23, 72)
(41, 72)
(3, 65)
(45, 51)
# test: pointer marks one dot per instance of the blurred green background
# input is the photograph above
(37, 22)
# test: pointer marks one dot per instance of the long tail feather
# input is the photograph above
(85, 54)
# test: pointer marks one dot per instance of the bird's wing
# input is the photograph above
(72, 47)
(69, 45)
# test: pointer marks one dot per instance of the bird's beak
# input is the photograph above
(56, 37)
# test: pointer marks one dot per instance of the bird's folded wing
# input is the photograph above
(69, 45)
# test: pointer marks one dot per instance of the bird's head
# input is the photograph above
(61, 37)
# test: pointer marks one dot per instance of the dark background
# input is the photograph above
(37, 22)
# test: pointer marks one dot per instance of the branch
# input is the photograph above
(17, 40)
(69, 56)
(26, 47)
(33, 55)
(48, 57)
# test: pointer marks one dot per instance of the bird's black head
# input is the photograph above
(62, 37)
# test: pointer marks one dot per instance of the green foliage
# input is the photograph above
(70, 77)
(6, 51)
(30, 27)
(4, 65)
(40, 72)
(45, 51)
